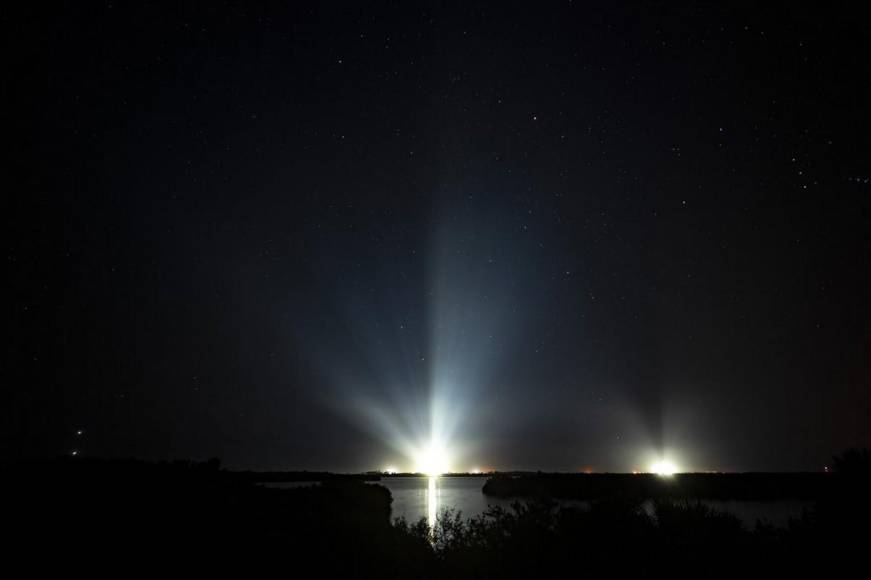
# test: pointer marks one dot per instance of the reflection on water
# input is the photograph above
(432, 500)
(416, 497)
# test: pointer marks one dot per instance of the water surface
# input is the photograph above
(425, 497)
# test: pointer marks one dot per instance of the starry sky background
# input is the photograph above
(599, 228)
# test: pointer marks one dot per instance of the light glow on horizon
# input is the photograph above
(663, 467)
(432, 460)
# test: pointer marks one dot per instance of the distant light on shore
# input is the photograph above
(663, 467)
(432, 460)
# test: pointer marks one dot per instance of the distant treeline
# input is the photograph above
(135, 467)
(851, 473)
(292, 476)
(120, 516)
(738, 486)
(124, 518)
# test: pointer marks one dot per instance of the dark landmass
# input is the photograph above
(301, 476)
(725, 486)
(118, 515)
(127, 517)
(452, 474)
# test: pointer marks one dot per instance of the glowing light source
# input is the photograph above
(663, 467)
(390, 470)
(432, 460)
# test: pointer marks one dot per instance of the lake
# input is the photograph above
(424, 497)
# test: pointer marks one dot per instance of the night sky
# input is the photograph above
(564, 236)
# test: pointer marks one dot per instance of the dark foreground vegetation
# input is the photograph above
(123, 518)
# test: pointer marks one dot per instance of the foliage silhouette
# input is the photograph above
(117, 516)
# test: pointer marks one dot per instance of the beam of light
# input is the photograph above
(663, 467)
(424, 356)
(416, 444)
